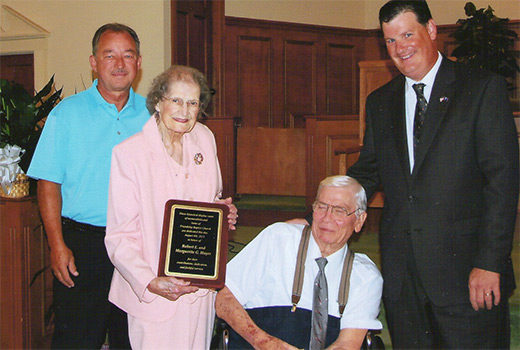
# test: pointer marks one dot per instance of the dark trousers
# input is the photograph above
(415, 323)
(82, 314)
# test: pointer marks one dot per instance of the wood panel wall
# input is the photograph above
(224, 129)
(324, 135)
(372, 75)
(271, 161)
(192, 39)
(197, 31)
(275, 71)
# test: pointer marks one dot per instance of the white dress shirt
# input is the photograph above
(411, 101)
(262, 275)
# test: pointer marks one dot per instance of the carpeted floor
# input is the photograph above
(263, 202)
(367, 243)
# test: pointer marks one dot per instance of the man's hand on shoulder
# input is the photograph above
(298, 221)
(484, 288)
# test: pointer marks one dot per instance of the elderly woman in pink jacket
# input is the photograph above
(173, 157)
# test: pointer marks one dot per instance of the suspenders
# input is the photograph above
(344, 285)
(371, 341)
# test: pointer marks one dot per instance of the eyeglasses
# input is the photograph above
(180, 102)
(338, 212)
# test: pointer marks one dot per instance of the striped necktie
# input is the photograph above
(320, 304)
(420, 112)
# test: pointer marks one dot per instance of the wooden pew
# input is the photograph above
(372, 75)
(332, 141)
(292, 161)
(333, 145)
(224, 129)
(271, 161)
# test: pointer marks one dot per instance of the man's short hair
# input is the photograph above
(393, 8)
(118, 28)
(346, 181)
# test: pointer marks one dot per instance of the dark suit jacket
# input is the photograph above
(458, 206)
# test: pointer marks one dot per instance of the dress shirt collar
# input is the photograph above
(335, 258)
(427, 80)
(411, 99)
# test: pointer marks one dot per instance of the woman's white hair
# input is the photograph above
(346, 181)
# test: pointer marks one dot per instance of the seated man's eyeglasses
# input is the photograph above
(337, 211)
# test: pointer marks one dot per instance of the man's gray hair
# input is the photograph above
(346, 181)
(118, 28)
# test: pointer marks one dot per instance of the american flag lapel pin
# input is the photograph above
(443, 99)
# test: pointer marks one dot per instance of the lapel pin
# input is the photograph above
(198, 158)
(443, 99)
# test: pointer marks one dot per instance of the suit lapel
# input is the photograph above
(397, 112)
(443, 92)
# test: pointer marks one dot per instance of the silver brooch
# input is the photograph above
(198, 158)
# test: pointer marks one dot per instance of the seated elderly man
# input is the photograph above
(259, 292)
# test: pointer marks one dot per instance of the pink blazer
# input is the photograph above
(142, 178)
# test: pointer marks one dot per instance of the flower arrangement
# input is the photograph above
(22, 116)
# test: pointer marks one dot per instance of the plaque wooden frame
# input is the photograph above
(194, 242)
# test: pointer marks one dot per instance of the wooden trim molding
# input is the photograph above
(301, 27)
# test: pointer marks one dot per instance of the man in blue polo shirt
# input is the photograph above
(72, 166)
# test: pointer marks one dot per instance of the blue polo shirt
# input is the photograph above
(75, 149)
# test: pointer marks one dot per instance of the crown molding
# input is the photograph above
(15, 26)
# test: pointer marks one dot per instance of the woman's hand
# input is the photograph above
(170, 287)
(233, 212)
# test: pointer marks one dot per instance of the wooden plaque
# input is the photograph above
(194, 242)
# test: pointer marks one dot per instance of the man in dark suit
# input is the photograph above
(451, 188)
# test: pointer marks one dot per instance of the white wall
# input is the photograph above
(72, 24)
(354, 14)
(320, 12)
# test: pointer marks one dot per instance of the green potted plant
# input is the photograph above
(485, 41)
(22, 116)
